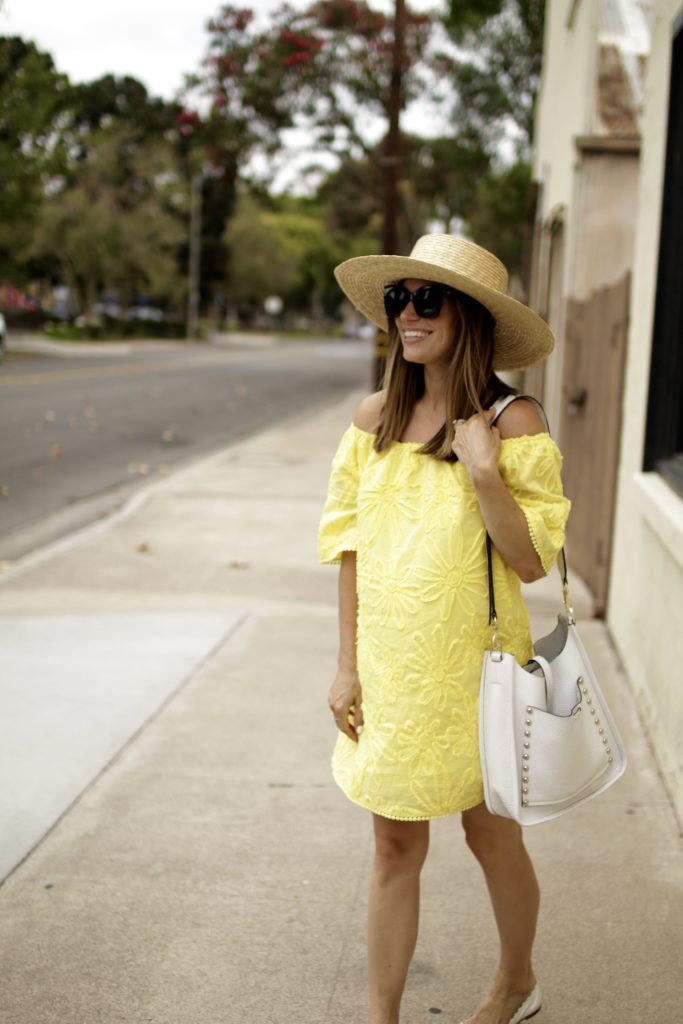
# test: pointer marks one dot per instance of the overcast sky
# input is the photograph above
(156, 41)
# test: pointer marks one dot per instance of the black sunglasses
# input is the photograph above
(427, 300)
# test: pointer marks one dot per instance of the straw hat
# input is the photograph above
(522, 338)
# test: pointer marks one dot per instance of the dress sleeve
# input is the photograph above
(338, 528)
(530, 467)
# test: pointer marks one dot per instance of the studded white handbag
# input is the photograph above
(546, 737)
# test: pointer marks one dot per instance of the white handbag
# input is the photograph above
(547, 740)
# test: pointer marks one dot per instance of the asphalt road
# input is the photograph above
(78, 434)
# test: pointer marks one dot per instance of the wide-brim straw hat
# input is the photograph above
(522, 338)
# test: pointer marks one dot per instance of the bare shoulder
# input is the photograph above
(369, 411)
(520, 418)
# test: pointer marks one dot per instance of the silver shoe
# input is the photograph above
(528, 1009)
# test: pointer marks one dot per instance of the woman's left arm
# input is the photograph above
(477, 444)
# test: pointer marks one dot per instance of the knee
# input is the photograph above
(400, 852)
(490, 838)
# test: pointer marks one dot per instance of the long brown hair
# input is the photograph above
(471, 384)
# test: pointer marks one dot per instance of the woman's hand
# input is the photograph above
(346, 703)
(476, 443)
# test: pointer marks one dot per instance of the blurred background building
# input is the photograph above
(607, 272)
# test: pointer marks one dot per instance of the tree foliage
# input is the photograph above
(325, 68)
(496, 71)
(259, 265)
(496, 75)
(282, 246)
(94, 178)
(446, 173)
(33, 101)
(498, 214)
(114, 226)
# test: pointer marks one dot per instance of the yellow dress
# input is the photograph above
(415, 524)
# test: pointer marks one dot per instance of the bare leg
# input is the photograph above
(497, 844)
(393, 912)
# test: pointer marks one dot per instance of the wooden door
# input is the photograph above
(590, 428)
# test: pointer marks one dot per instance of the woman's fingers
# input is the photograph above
(346, 717)
(476, 443)
(345, 701)
(346, 723)
(358, 718)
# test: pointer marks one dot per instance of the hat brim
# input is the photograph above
(522, 339)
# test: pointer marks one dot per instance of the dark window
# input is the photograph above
(664, 436)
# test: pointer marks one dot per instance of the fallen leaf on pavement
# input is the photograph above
(235, 564)
(144, 548)
(56, 451)
(4, 490)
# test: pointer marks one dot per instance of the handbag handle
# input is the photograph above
(562, 567)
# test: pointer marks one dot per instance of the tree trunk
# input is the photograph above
(391, 166)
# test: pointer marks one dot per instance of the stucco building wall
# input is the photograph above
(646, 592)
(586, 162)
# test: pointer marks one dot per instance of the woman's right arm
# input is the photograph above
(345, 697)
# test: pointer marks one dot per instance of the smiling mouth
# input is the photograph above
(415, 335)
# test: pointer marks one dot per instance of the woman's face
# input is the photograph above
(428, 342)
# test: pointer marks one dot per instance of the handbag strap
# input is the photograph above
(500, 406)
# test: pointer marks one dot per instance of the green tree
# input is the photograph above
(324, 70)
(259, 265)
(34, 99)
(115, 224)
(351, 200)
(122, 101)
(496, 75)
(313, 251)
(282, 246)
(496, 70)
(498, 214)
(446, 175)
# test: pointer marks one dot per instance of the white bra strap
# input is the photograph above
(501, 404)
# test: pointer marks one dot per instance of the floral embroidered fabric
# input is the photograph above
(415, 524)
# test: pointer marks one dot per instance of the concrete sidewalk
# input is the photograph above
(165, 673)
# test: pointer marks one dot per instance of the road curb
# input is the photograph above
(147, 490)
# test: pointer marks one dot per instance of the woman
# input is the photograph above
(418, 479)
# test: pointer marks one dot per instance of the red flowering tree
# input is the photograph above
(325, 69)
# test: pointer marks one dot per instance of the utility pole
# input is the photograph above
(195, 255)
(391, 163)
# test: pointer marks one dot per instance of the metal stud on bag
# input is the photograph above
(568, 767)
(583, 689)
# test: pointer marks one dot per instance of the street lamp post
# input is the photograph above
(195, 255)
